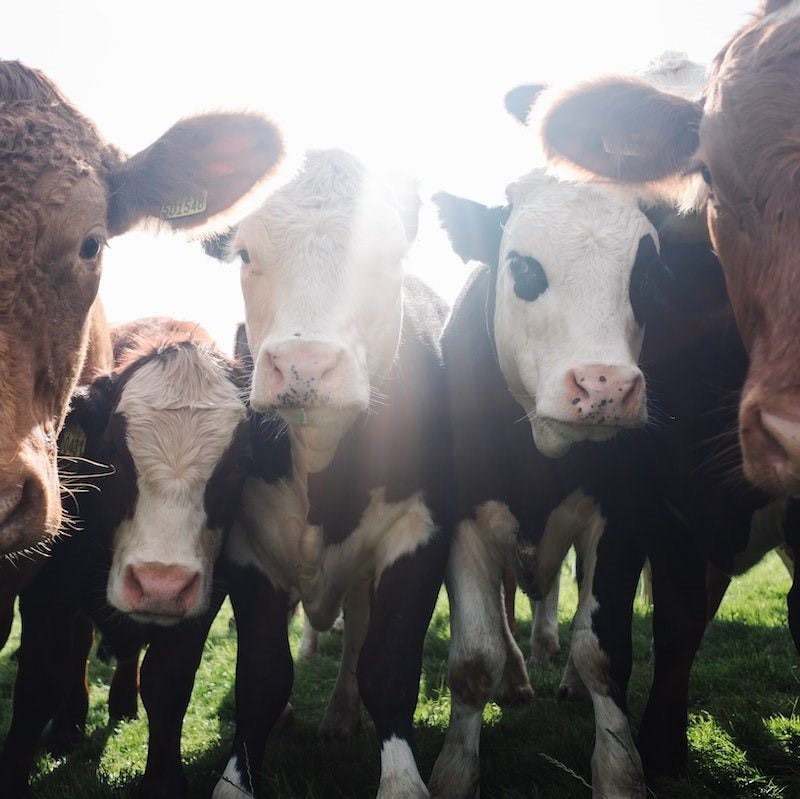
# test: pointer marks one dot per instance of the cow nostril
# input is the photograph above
(132, 587)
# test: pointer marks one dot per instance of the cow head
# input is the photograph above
(574, 270)
(743, 138)
(169, 422)
(322, 275)
(63, 193)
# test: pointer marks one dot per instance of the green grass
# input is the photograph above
(744, 732)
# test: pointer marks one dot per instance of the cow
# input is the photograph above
(345, 349)
(63, 193)
(734, 152)
(540, 355)
(169, 431)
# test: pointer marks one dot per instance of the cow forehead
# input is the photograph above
(183, 377)
(181, 413)
(334, 215)
(567, 226)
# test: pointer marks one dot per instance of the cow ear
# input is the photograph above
(622, 129)
(520, 100)
(218, 245)
(475, 230)
(89, 412)
(197, 169)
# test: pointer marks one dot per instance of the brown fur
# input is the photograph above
(63, 192)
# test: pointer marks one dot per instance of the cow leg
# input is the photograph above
(509, 598)
(717, 583)
(601, 651)
(515, 686)
(264, 673)
(167, 679)
(123, 695)
(571, 687)
(477, 654)
(544, 628)
(69, 723)
(390, 663)
(792, 528)
(309, 642)
(42, 683)
(343, 715)
(679, 620)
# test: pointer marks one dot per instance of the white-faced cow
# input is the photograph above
(345, 348)
(63, 193)
(170, 425)
(743, 137)
(541, 355)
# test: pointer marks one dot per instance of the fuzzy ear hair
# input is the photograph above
(474, 230)
(218, 245)
(89, 411)
(199, 168)
(520, 100)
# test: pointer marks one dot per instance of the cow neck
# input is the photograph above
(99, 358)
(313, 447)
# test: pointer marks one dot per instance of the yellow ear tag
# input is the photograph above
(72, 441)
(185, 206)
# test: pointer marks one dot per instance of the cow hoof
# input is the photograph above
(573, 692)
(173, 786)
(516, 695)
(339, 722)
(285, 719)
(543, 655)
(65, 739)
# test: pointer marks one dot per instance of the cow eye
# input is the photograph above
(90, 248)
(530, 281)
(705, 173)
(245, 256)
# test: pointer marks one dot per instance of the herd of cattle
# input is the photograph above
(367, 444)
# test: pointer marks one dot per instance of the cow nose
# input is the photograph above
(22, 514)
(614, 392)
(163, 589)
(297, 373)
(777, 438)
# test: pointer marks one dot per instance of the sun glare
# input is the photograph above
(417, 86)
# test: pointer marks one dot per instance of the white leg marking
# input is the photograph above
(478, 644)
(309, 642)
(616, 765)
(544, 628)
(230, 784)
(343, 713)
(400, 777)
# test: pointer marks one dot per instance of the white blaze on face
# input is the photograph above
(565, 331)
(181, 412)
(322, 270)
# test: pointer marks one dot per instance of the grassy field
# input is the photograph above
(744, 733)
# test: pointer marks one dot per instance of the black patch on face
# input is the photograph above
(530, 281)
(224, 487)
(650, 281)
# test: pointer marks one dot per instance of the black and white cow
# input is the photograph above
(541, 354)
(345, 348)
(168, 434)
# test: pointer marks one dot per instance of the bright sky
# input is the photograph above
(417, 84)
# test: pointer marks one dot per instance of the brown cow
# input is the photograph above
(743, 138)
(63, 193)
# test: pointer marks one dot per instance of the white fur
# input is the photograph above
(326, 266)
(400, 777)
(181, 413)
(544, 628)
(229, 786)
(616, 766)
(586, 239)
(672, 71)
